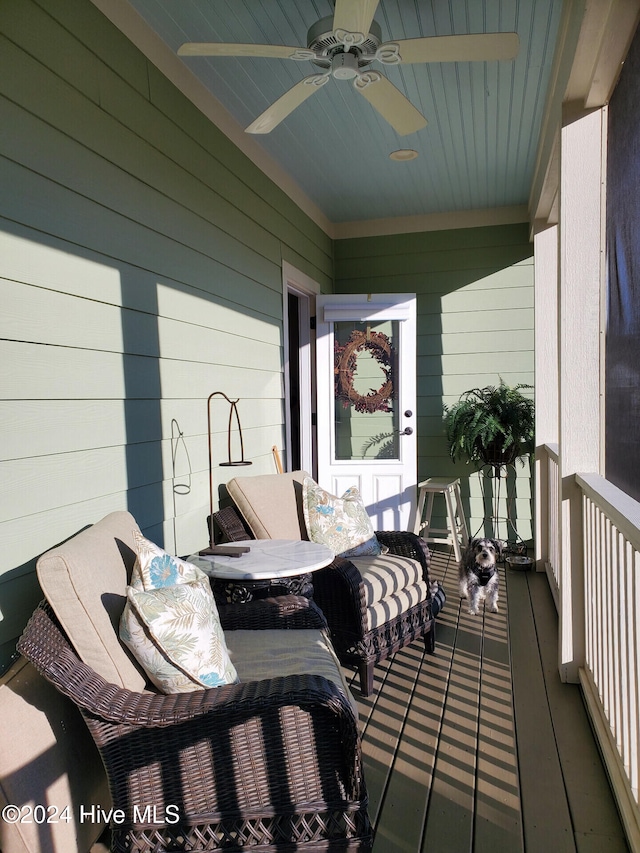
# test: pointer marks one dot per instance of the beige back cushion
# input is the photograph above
(85, 582)
(47, 757)
(271, 504)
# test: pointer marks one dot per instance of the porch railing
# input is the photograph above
(610, 677)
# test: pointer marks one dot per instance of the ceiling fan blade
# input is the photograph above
(354, 16)
(287, 103)
(390, 102)
(276, 51)
(481, 47)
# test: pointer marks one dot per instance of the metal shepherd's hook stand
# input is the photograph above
(242, 461)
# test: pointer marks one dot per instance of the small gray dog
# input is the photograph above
(479, 573)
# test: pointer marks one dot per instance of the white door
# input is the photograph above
(366, 380)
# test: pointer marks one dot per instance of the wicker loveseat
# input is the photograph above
(374, 605)
(270, 763)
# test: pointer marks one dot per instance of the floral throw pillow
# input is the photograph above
(171, 624)
(154, 568)
(340, 523)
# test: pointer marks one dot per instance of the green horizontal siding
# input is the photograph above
(140, 270)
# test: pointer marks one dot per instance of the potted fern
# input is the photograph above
(491, 426)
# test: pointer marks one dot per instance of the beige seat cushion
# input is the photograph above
(271, 504)
(394, 605)
(272, 653)
(85, 581)
(386, 574)
(392, 585)
(47, 757)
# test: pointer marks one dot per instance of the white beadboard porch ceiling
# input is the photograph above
(477, 151)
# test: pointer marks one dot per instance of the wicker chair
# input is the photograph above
(271, 506)
(272, 764)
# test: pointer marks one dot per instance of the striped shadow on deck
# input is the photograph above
(480, 748)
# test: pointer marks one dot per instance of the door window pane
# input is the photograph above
(366, 416)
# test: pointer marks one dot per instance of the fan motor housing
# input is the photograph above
(321, 39)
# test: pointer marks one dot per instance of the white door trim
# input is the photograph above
(296, 282)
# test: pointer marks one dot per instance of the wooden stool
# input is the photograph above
(457, 525)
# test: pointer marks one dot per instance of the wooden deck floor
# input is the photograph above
(481, 747)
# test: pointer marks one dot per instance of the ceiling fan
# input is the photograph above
(345, 46)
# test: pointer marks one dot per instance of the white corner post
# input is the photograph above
(545, 242)
(581, 260)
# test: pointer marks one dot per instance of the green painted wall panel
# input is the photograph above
(475, 341)
(134, 200)
(517, 319)
(140, 270)
(447, 388)
(198, 159)
(460, 259)
(69, 216)
(428, 242)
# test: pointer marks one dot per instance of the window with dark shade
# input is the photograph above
(622, 353)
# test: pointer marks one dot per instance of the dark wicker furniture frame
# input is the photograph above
(272, 765)
(339, 592)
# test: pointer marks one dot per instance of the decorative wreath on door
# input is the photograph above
(346, 363)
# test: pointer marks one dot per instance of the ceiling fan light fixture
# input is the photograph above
(344, 66)
(403, 155)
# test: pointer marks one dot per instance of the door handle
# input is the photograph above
(406, 431)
